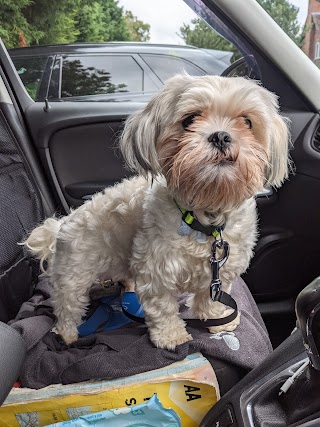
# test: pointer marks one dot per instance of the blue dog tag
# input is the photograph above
(201, 237)
(184, 229)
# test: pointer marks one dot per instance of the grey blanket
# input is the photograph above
(128, 350)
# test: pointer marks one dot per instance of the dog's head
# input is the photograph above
(216, 140)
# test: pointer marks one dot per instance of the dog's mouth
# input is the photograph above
(226, 157)
(228, 160)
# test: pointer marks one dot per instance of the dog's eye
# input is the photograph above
(189, 120)
(247, 122)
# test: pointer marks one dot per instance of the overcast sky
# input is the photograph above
(164, 26)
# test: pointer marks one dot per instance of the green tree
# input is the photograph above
(32, 22)
(138, 30)
(14, 25)
(101, 20)
(90, 23)
(199, 34)
(286, 16)
(51, 21)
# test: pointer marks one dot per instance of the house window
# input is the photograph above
(317, 51)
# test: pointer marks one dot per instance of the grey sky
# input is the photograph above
(164, 25)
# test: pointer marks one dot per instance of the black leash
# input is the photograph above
(216, 293)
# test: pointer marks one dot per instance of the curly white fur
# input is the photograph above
(42, 241)
(130, 231)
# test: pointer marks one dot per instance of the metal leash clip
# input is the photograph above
(216, 264)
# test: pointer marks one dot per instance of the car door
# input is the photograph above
(75, 144)
(75, 141)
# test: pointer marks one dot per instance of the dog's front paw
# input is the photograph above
(69, 335)
(228, 327)
(169, 339)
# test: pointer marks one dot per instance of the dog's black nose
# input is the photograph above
(220, 140)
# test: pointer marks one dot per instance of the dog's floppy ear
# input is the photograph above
(142, 129)
(279, 151)
(279, 141)
(139, 137)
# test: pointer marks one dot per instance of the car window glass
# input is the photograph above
(100, 74)
(167, 66)
(30, 71)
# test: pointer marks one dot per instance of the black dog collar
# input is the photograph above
(192, 222)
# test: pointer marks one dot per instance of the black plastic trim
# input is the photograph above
(20, 94)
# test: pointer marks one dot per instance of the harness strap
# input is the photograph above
(220, 296)
(133, 317)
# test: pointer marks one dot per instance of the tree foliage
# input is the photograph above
(101, 20)
(51, 21)
(286, 16)
(199, 34)
(138, 30)
(31, 22)
(14, 25)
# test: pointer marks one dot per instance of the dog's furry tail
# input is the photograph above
(42, 240)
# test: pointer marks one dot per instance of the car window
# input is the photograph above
(100, 74)
(30, 70)
(124, 56)
(167, 66)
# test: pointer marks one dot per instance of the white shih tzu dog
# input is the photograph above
(209, 144)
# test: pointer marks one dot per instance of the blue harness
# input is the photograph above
(112, 313)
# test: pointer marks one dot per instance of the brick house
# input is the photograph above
(312, 38)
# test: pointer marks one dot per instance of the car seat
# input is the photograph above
(24, 201)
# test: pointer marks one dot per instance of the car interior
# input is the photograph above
(56, 155)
